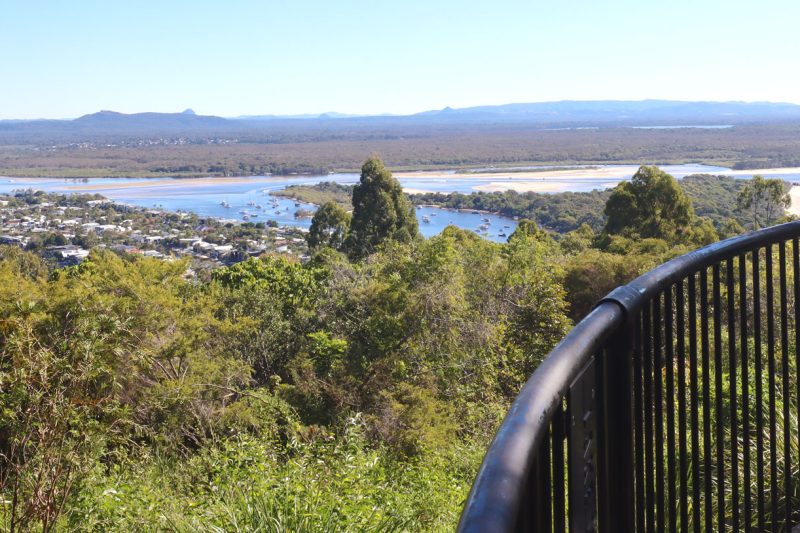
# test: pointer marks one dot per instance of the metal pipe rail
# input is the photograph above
(673, 406)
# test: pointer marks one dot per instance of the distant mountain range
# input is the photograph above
(544, 115)
(626, 112)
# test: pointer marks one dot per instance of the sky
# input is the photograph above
(66, 58)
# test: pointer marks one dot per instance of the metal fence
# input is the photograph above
(673, 406)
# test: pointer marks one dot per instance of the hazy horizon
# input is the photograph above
(311, 57)
(310, 114)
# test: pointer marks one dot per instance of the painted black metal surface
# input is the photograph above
(672, 406)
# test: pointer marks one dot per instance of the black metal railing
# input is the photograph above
(673, 406)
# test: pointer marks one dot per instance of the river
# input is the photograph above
(250, 199)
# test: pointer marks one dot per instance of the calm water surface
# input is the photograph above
(250, 198)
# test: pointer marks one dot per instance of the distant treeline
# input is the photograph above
(713, 197)
(242, 169)
(299, 147)
(327, 191)
(561, 212)
(768, 163)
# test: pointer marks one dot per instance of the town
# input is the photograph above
(63, 229)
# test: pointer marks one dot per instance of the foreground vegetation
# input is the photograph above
(356, 391)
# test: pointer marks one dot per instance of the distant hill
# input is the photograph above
(111, 121)
(618, 112)
(276, 128)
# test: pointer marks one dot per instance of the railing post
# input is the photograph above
(615, 480)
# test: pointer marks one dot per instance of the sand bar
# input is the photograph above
(794, 194)
(616, 171)
(762, 171)
(523, 186)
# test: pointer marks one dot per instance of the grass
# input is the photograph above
(250, 484)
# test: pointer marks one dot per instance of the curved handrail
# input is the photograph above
(643, 288)
(494, 501)
(495, 497)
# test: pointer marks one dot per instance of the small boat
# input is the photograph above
(251, 204)
(501, 234)
(297, 204)
(506, 226)
(246, 217)
(426, 219)
(225, 204)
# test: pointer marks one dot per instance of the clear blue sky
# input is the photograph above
(66, 58)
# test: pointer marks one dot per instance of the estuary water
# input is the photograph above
(249, 198)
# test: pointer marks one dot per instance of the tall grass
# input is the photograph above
(246, 484)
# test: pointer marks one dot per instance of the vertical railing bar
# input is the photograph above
(730, 277)
(759, 420)
(785, 372)
(718, 395)
(547, 488)
(559, 503)
(599, 440)
(571, 470)
(541, 519)
(658, 402)
(647, 355)
(773, 460)
(695, 423)
(748, 519)
(706, 367)
(617, 456)
(638, 424)
(531, 517)
(670, 366)
(796, 276)
(529, 501)
(682, 452)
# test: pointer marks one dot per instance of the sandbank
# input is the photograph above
(762, 171)
(523, 186)
(616, 171)
(794, 194)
